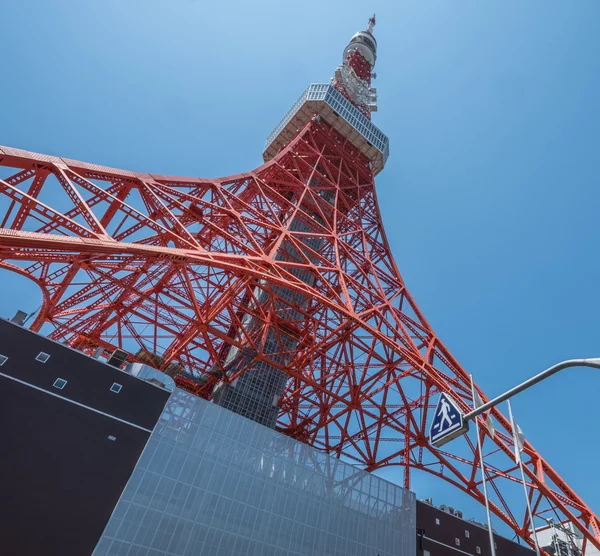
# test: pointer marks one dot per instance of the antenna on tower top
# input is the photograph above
(353, 77)
(371, 24)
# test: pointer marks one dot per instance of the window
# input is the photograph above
(437, 521)
(116, 388)
(466, 534)
(42, 357)
(111, 437)
(426, 553)
(60, 383)
(3, 359)
(457, 541)
(478, 550)
(495, 546)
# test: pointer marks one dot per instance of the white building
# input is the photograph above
(563, 539)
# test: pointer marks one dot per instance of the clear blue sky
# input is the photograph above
(490, 196)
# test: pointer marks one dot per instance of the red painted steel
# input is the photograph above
(167, 268)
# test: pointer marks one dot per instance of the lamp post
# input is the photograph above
(594, 362)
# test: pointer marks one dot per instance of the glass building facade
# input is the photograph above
(213, 482)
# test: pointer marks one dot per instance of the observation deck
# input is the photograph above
(325, 101)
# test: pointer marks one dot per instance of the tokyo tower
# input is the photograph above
(273, 293)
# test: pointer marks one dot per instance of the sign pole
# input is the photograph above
(487, 502)
(520, 459)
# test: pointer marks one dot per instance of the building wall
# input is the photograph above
(213, 482)
(564, 538)
(66, 454)
(442, 534)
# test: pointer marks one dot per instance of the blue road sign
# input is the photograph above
(447, 421)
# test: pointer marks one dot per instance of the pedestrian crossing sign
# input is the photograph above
(447, 421)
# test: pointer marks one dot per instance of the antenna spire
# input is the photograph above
(371, 24)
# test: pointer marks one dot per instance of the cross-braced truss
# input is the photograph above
(288, 264)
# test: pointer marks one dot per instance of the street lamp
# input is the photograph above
(595, 363)
(450, 422)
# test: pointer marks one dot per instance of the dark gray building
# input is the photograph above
(443, 532)
(72, 429)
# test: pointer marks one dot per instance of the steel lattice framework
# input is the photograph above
(175, 266)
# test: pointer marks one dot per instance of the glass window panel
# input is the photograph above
(278, 495)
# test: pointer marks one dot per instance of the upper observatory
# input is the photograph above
(345, 104)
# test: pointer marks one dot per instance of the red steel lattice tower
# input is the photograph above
(273, 292)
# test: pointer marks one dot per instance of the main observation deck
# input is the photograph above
(325, 101)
